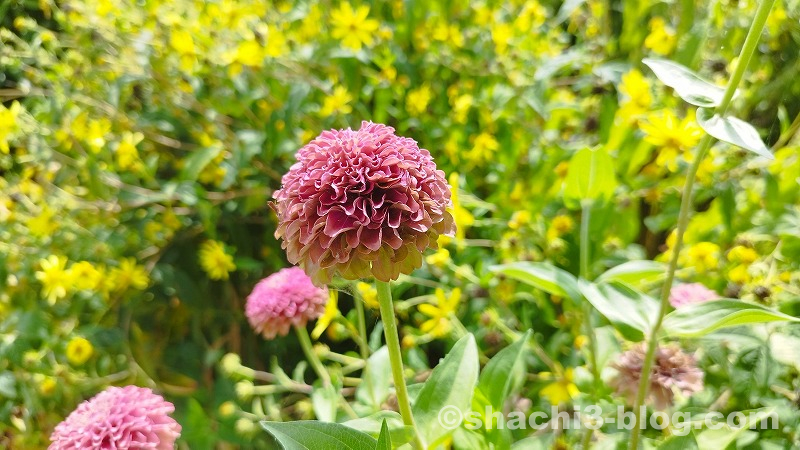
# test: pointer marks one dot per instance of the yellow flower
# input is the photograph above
(369, 294)
(85, 275)
(560, 226)
(277, 45)
(671, 136)
(418, 99)
(331, 313)
(438, 324)
(439, 259)
(352, 26)
(739, 274)
(250, 53)
(483, 148)
(637, 98)
(128, 275)
(501, 34)
(127, 155)
(562, 390)
(79, 350)
(703, 256)
(43, 225)
(463, 218)
(55, 279)
(181, 41)
(215, 261)
(47, 385)
(338, 102)
(743, 255)
(461, 107)
(8, 124)
(661, 39)
(449, 33)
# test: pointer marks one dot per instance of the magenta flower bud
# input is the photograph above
(361, 203)
(688, 293)
(128, 417)
(285, 298)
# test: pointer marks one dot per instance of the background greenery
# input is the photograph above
(133, 133)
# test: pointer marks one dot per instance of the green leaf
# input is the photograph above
(631, 312)
(633, 272)
(688, 85)
(702, 318)
(722, 437)
(677, 442)
(498, 376)
(310, 434)
(372, 426)
(325, 401)
(590, 177)
(733, 131)
(451, 385)
(197, 161)
(374, 386)
(544, 276)
(384, 439)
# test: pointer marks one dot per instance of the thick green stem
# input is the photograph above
(363, 343)
(746, 54)
(316, 364)
(395, 355)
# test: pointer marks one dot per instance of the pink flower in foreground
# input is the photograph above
(285, 298)
(362, 203)
(119, 418)
(672, 370)
(688, 293)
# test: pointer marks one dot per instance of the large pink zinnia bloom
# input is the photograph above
(688, 293)
(119, 418)
(362, 203)
(285, 298)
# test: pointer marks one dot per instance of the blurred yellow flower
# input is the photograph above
(519, 219)
(742, 254)
(8, 124)
(501, 35)
(448, 33)
(636, 96)
(562, 390)
(128, 275)
(703, 256)
(331, 313)
(438, 324)
(439, 258)
(483, 148)
(84, 274)
(79, 350)
(338, 102)
(250, 53)
(739, 274)
(47, 385)
(181, 41)
(369, 294)
(560, 226)
(463, 218)
(43, 225)
(417, 100)
(214, 261)
(127, 155)
(661, 39)
(55, 279)
(353, 27)
(672, 136)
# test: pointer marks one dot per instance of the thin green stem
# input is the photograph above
(313, 359)
(746, 54)
(395, 355)
(363, 343)
(586, 217)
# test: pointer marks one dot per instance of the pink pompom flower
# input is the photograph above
(130, 417)
(362, 203)
(689, 293)
(285, 298)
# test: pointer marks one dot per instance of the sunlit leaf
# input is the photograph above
(312, 435)
(498, 376)
(733, 131)
(631, 312)
(702, 318)
(590, 177)
(544, 276)
(633, 272)
(688, 85)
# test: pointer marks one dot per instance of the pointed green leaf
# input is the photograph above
(451, 385)
(633, 272)
(311, 435)
(372, 426)
(733, 131)
(631, 312)
(590, 177)
(374, 386)
(700, 319)
(544, 276)
(325, 401)
(688, 85)
(384, 439)
(722, 437)
(498, 376)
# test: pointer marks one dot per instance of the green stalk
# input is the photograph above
(746, 54)
(316, 364)
(586, 217)
(363, 343)
(395, 356)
